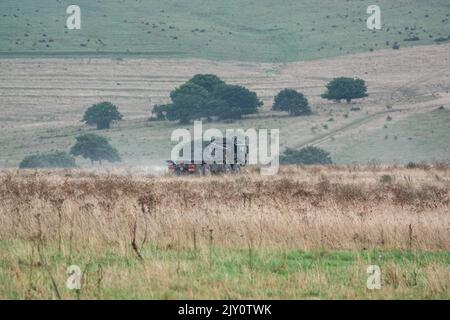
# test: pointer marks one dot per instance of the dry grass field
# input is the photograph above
(309, 232)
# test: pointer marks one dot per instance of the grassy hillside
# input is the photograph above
(419, 137)
(263, 30)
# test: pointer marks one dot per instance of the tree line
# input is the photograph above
(208, 96)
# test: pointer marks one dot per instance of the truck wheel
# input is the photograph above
(237, 168)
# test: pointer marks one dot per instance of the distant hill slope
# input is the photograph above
(418, 137)
(263, 30)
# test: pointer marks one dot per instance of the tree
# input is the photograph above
(216, 107)
(345, 88)
(57, 159)
(188, 103)
(207, 81)
(306, 156)
(161, 111)
(95, 148)
(102, 114)
(238, 101)
(206, 96)
(291, 101)
(188, 89)
(186, 108)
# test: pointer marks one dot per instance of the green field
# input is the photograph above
(219, 273)
(419, 137)
(264, 30)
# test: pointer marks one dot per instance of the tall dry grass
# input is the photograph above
(348, 207)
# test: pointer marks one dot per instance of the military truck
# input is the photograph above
(224, 155)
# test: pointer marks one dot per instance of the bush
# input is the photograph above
(441, 39)
(385, 178)
(306, 156)
(412, 38)
(58, 159)
(414, 165)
